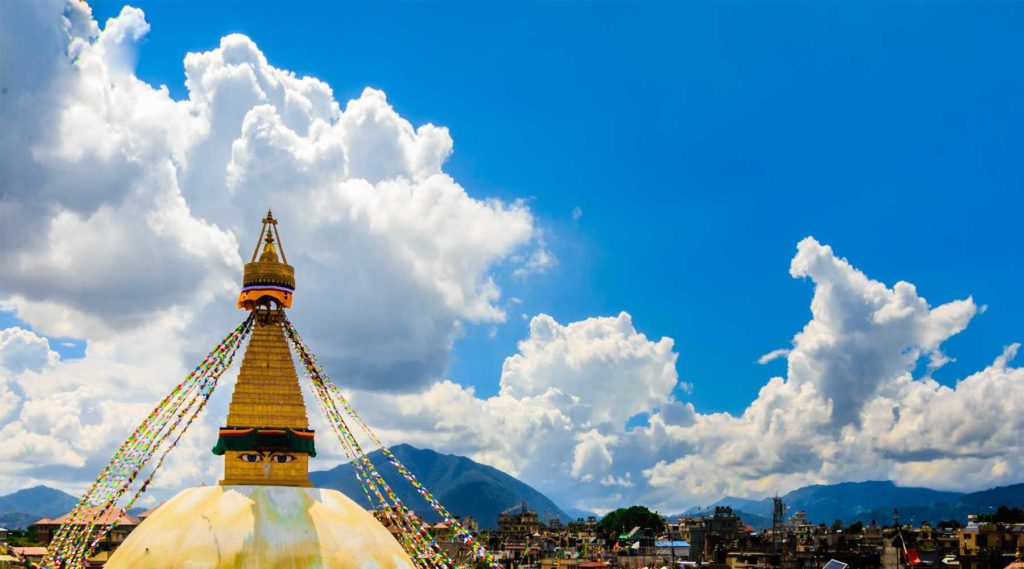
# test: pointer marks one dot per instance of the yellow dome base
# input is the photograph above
(260, 527)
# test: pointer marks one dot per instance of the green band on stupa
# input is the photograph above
(265, 439)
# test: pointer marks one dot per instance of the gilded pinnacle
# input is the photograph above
(270, 280)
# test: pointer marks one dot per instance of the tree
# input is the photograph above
(21, 538)
(1004, 515)
(855, 528)
(625, 519)
(950, 524)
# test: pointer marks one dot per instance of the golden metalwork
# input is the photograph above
(267, 393)
(267, 279)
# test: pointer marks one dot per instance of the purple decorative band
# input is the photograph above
(266, 287)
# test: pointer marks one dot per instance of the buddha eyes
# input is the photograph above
(255, 457)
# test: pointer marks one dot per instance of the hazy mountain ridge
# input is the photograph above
(43, 500)
(577, 513)
(17, 520)
(985, 501)
(21, 508)
(874, 500)
(758, 521)
(464, 486)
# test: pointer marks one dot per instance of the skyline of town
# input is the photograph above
(635, 537)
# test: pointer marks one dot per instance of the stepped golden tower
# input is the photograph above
(264, 512)
(267, 439)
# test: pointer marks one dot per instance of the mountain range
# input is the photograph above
(873, 500)
(465, 487)
(21, 508)
(468, 488)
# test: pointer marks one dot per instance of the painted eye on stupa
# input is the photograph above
(250, 457)
(282, 458)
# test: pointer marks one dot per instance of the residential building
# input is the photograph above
(33, 555)
(752, 559)
(43, 530)
(521, 522)
(982, 537)
(675, 549)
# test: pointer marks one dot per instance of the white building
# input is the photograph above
(680, 549)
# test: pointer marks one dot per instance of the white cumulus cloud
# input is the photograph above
(558, 418)
(773, 355)
(127, 215)
(848, 408)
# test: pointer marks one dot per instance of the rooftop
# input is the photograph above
(28, 551)
(121, 518)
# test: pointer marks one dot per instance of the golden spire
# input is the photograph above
(267, 440)
(269, 252)
(268, 280)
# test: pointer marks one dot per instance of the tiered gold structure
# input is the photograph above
(264, 512)
(267, 278)
(267, 395)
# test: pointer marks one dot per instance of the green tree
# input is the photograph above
(625, 519)
(21, 538)
(1004, 515)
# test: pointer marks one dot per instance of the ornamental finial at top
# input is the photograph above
(268, 280)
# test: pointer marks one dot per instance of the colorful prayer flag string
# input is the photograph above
(414, 531)
(97, 511)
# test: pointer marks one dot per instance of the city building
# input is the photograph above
(676, 549)
(43, 530)
(981, 537)
(8, 561)
(751, 559)
(33, 555)
(519, 523)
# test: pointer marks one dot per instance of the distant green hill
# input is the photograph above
(956, 508)
(874, 500)
(468, 488)
(17, 520)
(465, 487)
(21, 508)
(863, 501)
(757, 521)
(577, 513)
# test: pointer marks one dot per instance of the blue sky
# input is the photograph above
(679, 161)
(701, 141)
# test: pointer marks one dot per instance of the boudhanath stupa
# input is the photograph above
(264, 512)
